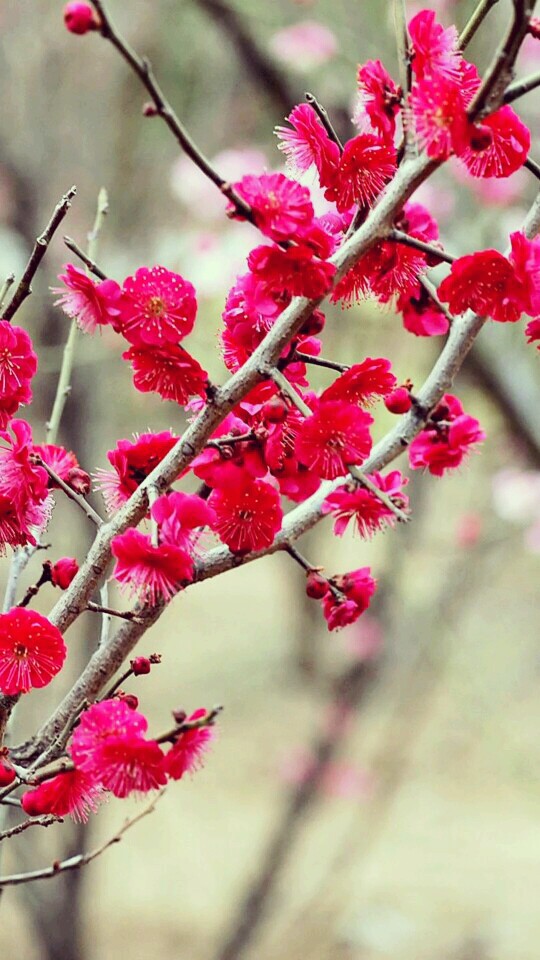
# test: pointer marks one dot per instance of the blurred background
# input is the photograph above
(371, 794)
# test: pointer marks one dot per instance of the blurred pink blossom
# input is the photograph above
(349, 782)
(532, 538)
(364, 639)
(439, 199)
(529, 56)
(339, 780)
(304, 46)
(469, 530)
(501, 192)
(516, 495)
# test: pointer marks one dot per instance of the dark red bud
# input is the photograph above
(481, 138)
(316, 585)
(275, 410)
(79, 480)
(7, 773)
(398, 401)
(63, 572)
(149, 109)
(129, 699)
(140, 666)
(534, 27)
(314, 324)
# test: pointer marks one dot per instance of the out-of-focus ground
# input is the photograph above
(422, 840)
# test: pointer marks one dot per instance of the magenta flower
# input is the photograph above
(91, 304)
(158, 307)
(153, 573)
(169, 371)
(248, 514)
(72, 793)
(281, 207)
(333, 438)
(109, 745)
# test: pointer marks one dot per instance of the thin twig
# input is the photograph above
(521, 87)
(431, 289)
(365, 481)
(93, 267)
(533, 166)
(71, 494)
(499, 73)
(24, 288)
(46, 821)
(403, 46)
(231, 439)
(432, 251)
(82, 859)
(475, 21)
(64, 381)
(6, 287)
(321, 362)
(324, 118)
(299, 557)
(287, 390)
(143, 70)
(111, 612)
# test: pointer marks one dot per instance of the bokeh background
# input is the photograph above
(371, 794)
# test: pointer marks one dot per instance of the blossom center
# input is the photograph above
(155, 307)
(20, 651)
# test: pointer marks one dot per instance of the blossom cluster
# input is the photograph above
(111, 754)
(283, 442)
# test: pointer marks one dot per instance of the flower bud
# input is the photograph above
(149, 109)
(32, 804)
(79, 481)
(275, 410)
(63, 571)
(7, 773)
(79, 18)
(140, 666)
(314, 324)
(129, 699)
(398, 401)
(316, 585)
(534, 27)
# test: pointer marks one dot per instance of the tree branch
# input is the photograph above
(499, 73)
(475, 21)
(82, 859)
(24, 288)
(142, 68)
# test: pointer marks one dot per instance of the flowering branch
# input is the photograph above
(24, 289)
(105, 661)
